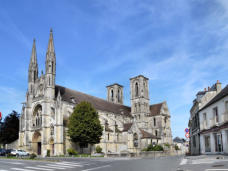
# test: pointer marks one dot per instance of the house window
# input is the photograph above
(215, 111)
(207, 144)
(205, 119)
(226, 106)
(154, 121)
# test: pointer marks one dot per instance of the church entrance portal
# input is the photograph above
(39, 148)
(36, 143)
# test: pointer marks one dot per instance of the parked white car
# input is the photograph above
(19, 153)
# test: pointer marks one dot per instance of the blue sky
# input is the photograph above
(181, 46)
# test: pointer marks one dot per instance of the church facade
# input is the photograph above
(44, 117)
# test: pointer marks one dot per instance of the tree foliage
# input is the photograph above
(84, 126)
(9, 128)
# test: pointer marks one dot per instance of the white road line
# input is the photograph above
(51, 167)
(20, 169)
(54, 165)
(3, 170)
(11, 162)
(95, 168)
(66, 164)
(183, 161)
(215, 169)
(38, 168)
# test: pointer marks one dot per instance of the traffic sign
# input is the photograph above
(186, 130)
(187, 135)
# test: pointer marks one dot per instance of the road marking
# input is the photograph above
(67, 164)
(3, 170)
(21, 169)
(55, 165)
(215, 169)
(11, 162)
(38, 168)
(51, 167)
(95, 168)
(183, 161)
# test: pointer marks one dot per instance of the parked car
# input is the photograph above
(19, 153)
(8, 152)
(2, 152)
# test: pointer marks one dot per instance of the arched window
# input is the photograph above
(154, 121)
(112, 95)
(136, 89)
(135, 140)
(52, 130)
(37, 116)
(118, 95)
(156, 133)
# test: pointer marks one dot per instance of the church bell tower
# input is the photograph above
(140, 101)
(50, 68)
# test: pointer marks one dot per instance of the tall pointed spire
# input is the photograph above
(51, 43)
(33, 59)
(33, 66)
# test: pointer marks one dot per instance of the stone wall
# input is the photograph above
(13, 145)
(148, 154)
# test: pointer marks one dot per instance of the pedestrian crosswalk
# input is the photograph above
(51, 166)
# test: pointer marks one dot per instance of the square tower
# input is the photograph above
(139, 96)
(115, 93)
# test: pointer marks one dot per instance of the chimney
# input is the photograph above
(218, 86)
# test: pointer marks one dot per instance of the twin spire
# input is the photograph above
(50, 49)
(34, 55)
(51, 43)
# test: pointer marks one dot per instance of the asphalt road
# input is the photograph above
(202, 163)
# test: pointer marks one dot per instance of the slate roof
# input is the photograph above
(126, 127)
(72, 96)
(155, 109)
(146, 134)
(179, 140)
(220, 95)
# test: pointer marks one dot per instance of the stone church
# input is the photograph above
(44, 117)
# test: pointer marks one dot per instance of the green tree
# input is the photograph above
(9, 129)
(84, 126)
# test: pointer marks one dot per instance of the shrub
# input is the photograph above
(71, 151)
(33, 156)
(158, 148)
(167, 145)
(48, 153)
(152, 147)
(98, 149)
(176, 147)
